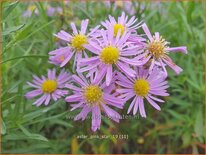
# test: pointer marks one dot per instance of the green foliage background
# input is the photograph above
(178, 128)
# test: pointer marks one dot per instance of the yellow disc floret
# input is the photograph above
(157, 48)
(109, 55)
(93, 94)
(49, 86)
(117, 27)
(78, 41)
(141, 87)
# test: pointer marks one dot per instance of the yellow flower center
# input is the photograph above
(78, 41)
(93, 94)
(141, 87)
(109, 55)
(32, 8)
(49, 86)
(157, 47)
(117, 27)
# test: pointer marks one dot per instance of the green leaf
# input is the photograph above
(190, 11)
(3, 127)
(186, 138)
(32, 135)
(199, 125)
(176, 115)
(61, 122)
(50, 118)
(33, 148)
(12, 29)
(25, 56)
(35, 114)
(9, 9)
(84, 12)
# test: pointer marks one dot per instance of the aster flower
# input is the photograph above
(111, 51)
(122, 24)
(127, 6)
(93, 96)
(50, 87)
(75, 42)
(143, 86)
(60, 55)
(31, 8)
(158, 49)
(53, 10)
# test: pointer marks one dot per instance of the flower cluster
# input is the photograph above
(50, 10)
(112, 66)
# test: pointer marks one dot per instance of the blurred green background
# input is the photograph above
(177, 128)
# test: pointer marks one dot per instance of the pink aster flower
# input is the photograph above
(75, 43)
(31, 9)
(122, 24)
(93, 96)
(59, 55)
(50, 87)
(158, 49)
(143, 86)
(50, 11)
(111, 51)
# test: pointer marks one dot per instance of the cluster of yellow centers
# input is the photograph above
(117, 27)
(109, 55)
(49, 86)
(93, 94)
(157, 47)
(78, 41)
(141, 87)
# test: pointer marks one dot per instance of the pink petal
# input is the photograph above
(89, 67)
(160, 93)
(33, 85)
(172, 65)
(60, 50)
(47, 99)
(136, 105)
(155, 105)
(147, 32)
(182, 49)
(70, 86)
(126, 69)
(88, 61)
(93, 30)
(74, 28)
(83, 114)
(63, 36)
(141, 107)
(156, 99)
(84, 25)
(96, 118)
(92, 49)
(33, 93)
(39, 101)
(117, 101)
(111, 113)
(74, 98)
(109, 75)
(77, 106)
(79, 81)
(131, 105)
(66, 60)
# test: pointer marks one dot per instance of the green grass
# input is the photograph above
(178, 128)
